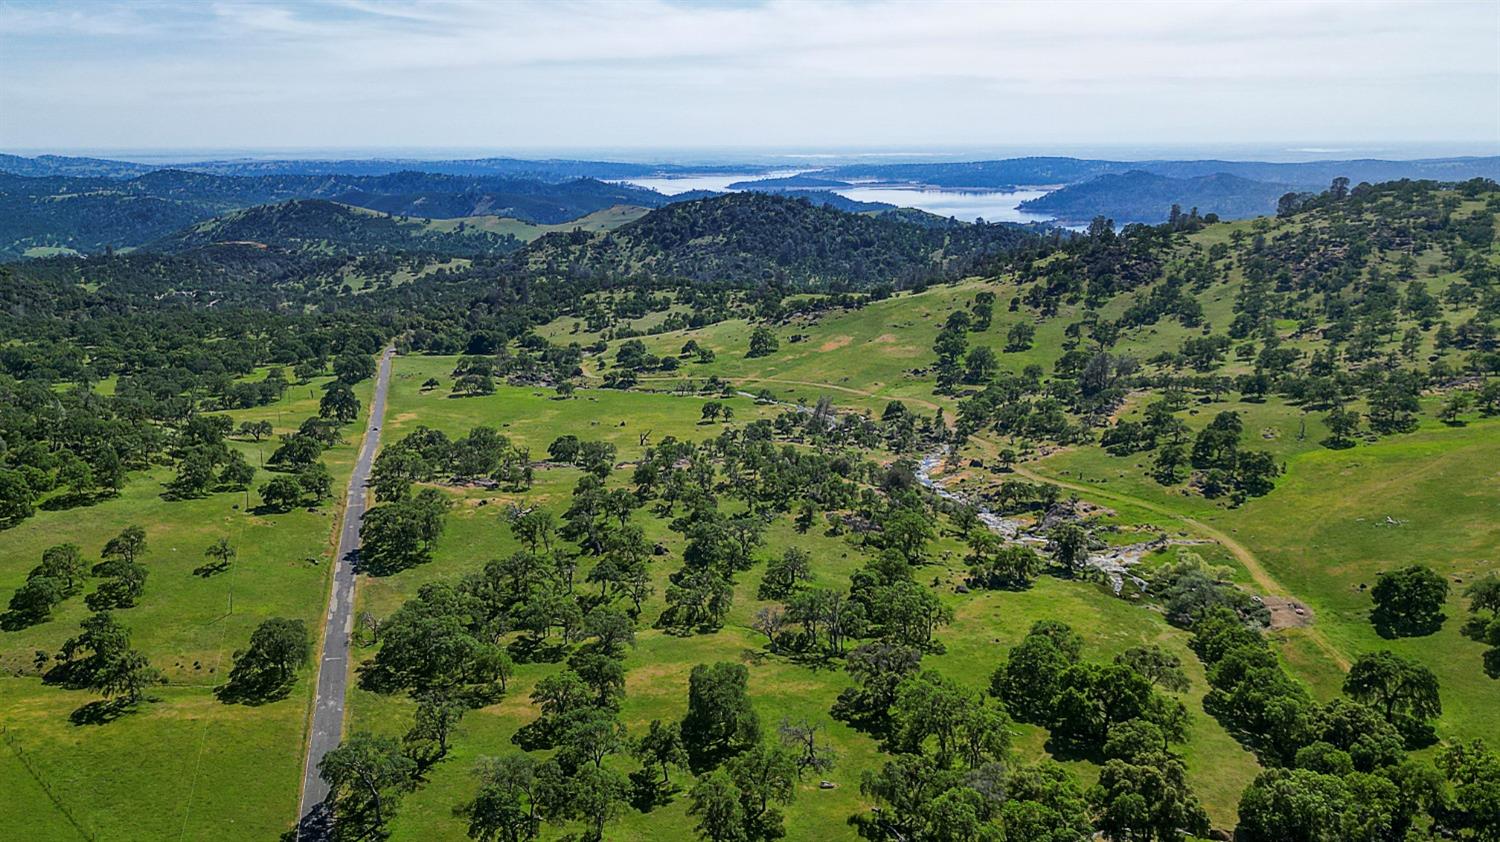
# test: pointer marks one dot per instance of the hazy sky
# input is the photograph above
(180, 74)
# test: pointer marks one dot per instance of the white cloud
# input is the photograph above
(490, 74)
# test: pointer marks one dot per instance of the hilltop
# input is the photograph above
(757, 238)
(1139, 196)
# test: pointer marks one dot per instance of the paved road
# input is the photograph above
(333, 665)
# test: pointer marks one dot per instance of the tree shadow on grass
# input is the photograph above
(14, 620)
(72, 675)
(1337, 444)
(647, 792)
(252, 691)
(210, 569)
(371, 676)
(1418, 735)
(74, 500)
(1391, 628)
(529, 649)
(101, 712)
(385, 564)
(855, 711)
(1064, 749)
(817, 659)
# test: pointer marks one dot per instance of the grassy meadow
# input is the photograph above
(658, 666)
(202, 754)
(602, 220)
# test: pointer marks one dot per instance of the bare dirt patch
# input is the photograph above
(835, 343)
(1287, 613)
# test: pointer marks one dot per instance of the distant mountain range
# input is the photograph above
(990, 175)
(51, 204)
(802, 181)
(1012, 172)
(550, 169)
(829, 199)
(39, 215)
(1139, 196)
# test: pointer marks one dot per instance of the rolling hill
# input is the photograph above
(92, 214)
(321, 226)
(759, 238)
(1139, 196)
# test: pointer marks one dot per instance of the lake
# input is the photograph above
(989, 205)
(967, 205)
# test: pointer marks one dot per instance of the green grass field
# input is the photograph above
(1319, 537)
(986, 624)
(201, 753)
(1323, 534)
(603, 220)
(48, 251)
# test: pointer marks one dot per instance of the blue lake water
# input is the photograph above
(967, 205)
(989, 205)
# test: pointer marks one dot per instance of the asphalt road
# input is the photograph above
(333, 665)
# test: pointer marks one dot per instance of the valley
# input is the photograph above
(652, 514)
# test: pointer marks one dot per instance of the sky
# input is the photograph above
(571, 75)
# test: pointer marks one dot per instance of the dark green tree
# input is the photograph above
(660, 749)
(1405, 691)
(265, 669)
(1157, 665)
(720, 720)
(763, 342)
(281, 494)
(1292, 805)
(367, 777)
(511, 802)
(352, 367)
(716, 804)
(433, 726)
(1409, 602)
(1147, 802)
(339, 403)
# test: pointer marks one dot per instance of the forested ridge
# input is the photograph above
(754, 238)
(1138, 196)
(90, 214)
(316, 225)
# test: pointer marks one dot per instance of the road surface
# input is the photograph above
(333, 664)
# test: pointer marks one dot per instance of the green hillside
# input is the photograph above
(890, 528)
(327, 227)
(755, 238)
(92, 214)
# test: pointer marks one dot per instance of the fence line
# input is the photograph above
(15, 748)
